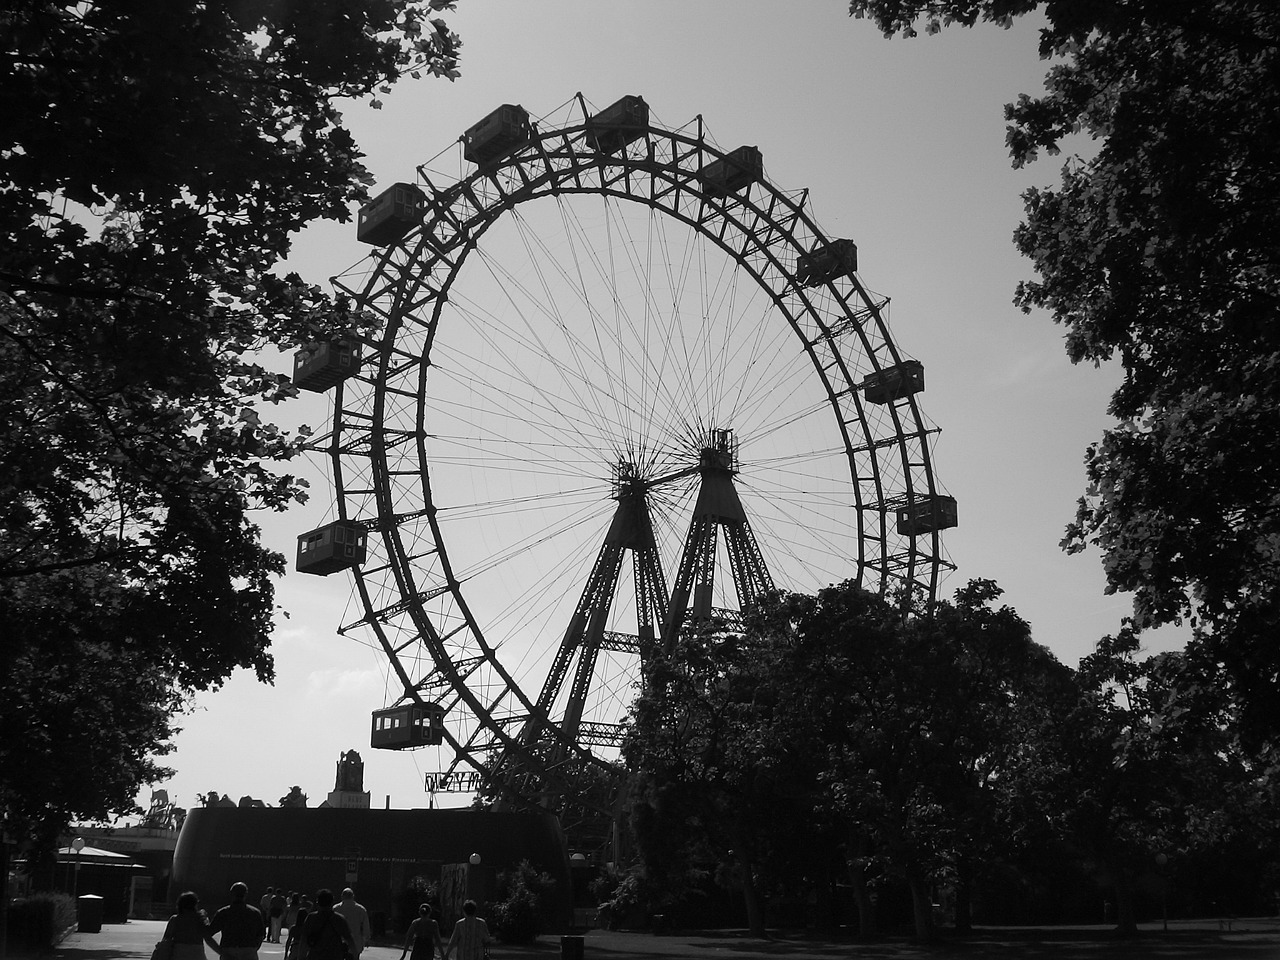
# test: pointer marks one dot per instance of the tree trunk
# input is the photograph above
(824, 904)
(44, 871)
(857, 861)
(750, 895)
(4, 900)
(964, 896)
(921, 908)
(1126, 915)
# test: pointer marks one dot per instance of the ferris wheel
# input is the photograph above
(620, 384)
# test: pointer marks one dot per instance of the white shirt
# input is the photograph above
(357, 918)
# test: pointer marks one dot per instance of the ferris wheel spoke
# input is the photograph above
(612, 348)
(502, 340)
(536, 609)
(584, 357)
(539, 397)
(503, 451)
(576, 280)
(616, 351)
(516, 505)
(672, 386)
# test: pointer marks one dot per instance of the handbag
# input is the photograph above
(163, 950)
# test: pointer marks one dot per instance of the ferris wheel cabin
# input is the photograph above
(839, 258)
(735, 170)
(927, 514)
(894, 383)
(497, 135)
(335, 546)
(319, 366)
(389, 216)
(617, 125)
(407, 726)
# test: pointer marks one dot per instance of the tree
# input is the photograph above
(1004, 694)
(869, 684)
(888, 742)
(1146, 765)
(157, 155)
(693, 751)
(921, 722)
(1161, 248)
(83, 717)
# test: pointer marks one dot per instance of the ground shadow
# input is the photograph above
(1057, 944)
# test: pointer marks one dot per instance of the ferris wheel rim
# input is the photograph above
(569, 144)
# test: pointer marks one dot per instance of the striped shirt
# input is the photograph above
(470, 938)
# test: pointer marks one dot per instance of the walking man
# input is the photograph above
(325, 931)
(278, 904)
(357, 918)
(240, 924)
(264, 907)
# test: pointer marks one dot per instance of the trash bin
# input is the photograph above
(572, 948)
(89, 913)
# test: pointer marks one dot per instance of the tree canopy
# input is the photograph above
(838, 749)
(1160, 247)
(836, 739)
(1145, 765)
(157, 157)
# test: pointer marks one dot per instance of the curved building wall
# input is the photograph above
(375, 852)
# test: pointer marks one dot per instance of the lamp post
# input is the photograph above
(77, 845)
(1162, 861)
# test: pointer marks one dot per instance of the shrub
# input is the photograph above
(37, 923)
(521, 914)
(621, 905)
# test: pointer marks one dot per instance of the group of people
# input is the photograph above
(283, 911)
(470, 937)
(321, 931)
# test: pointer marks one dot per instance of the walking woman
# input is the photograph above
(295, 935)
(470, 935)
(291, 912)
(423, 937)
(189, 930)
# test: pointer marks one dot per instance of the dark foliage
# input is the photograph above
(36, 923)
(157, 156)
(1161, 248)
(839, 752)
(521, 911)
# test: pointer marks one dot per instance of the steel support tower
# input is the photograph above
(718, 507)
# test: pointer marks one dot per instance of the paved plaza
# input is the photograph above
(1255, 939)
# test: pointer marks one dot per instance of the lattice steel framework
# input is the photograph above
(587, 635)
(717, 508)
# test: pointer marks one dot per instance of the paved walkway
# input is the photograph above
(1257, 939)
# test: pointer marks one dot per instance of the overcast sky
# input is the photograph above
(901, 144)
